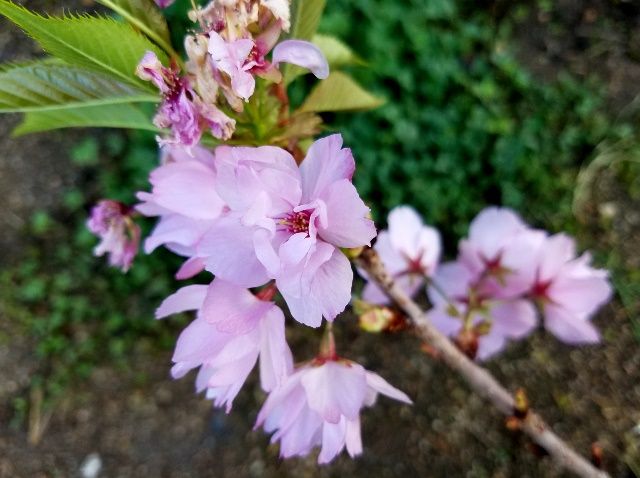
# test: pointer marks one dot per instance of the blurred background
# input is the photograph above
(530, 104)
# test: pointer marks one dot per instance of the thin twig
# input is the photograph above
(479, 379)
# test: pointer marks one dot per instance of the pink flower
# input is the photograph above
(319, 405)
(494, 321)
(232, 58)
(119, 236)
(409, 250)
(288, 223)
(500, 251)
(233, 330)
(243, 58)
(569, 290)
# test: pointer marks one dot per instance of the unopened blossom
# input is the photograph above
(409, 250)
(119, 236)
(233, 330)
(164, 3)
(288, 223)
(319, 406)
(568, 290)
(462, 311)
(500, 251)
(182, 110)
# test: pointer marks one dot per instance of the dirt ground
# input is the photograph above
(139, 423)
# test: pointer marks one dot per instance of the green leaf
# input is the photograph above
(109, 116)
(52, 84)
(146, 17)
(97, 43)
(339, 92)
(338, 54)
(306, 18)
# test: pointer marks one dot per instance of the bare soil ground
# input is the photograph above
(141, 423)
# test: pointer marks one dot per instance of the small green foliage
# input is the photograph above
(465, 125)
(85, 153)
(78, 311)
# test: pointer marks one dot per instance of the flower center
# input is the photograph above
(296, 222)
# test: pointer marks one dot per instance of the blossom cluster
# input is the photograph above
(265, 226)
(225, 55)
(255, 219)
(506, 275)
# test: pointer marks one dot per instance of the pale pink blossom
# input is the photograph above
(501, 251)
(497, 321)
(288, 223)
(319, 405)
(569, 290)
(233, 330)
(119, 236)
(409, 250)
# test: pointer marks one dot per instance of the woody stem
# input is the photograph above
(479, 379)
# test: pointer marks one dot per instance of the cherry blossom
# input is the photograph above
(119, 236)
(319, 405)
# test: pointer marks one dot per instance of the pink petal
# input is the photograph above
(353, 438)
(326, 162)
(243, 173)
(187, 188)
(555, 253)
(190, 268)
(347, 221)
(444, 322)
(492, 229)
(276, 361)
(333, 441)
(580, 295)
(334, 390)
(489, 345)
(302, 53)
(405, 226)
(374, 295)
(199, 343)
(190, 297)
(513, 319)
(178, 233)
(569, 327)
(233, 309)
(454, 279)
(393, 260)
(380, 385)
(229, 253)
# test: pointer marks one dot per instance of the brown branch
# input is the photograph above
(479, 379)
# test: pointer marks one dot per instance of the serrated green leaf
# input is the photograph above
(52, 85)
(109, 116)
(145, 16)
(337, 53)
(339, 92)
(97, 43)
